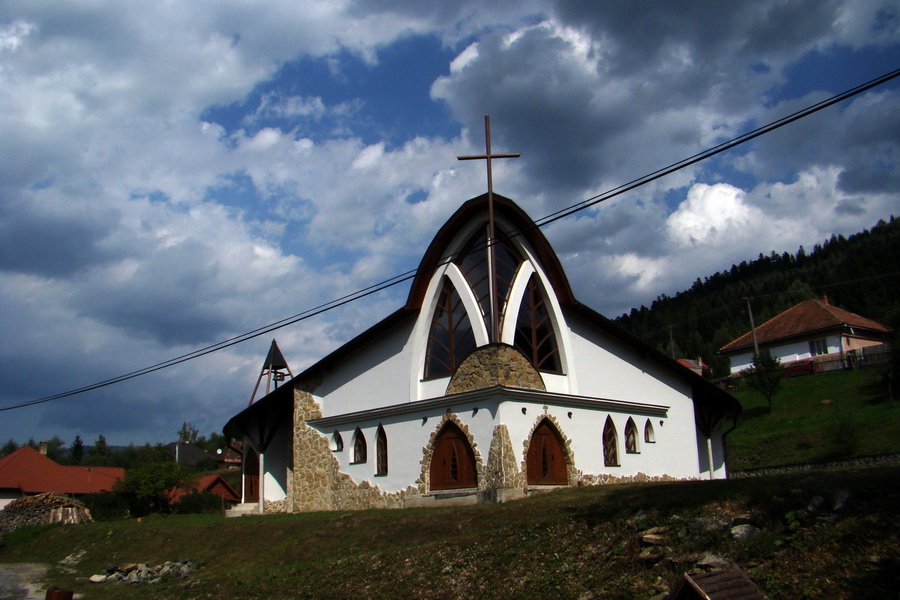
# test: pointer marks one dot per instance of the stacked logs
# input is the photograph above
(41, 510)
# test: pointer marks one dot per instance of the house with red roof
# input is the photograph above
(27, 472)
(812, 331)
(213, 484)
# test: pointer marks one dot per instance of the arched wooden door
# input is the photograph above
(251, 477)
(546, 461)
(452, 462)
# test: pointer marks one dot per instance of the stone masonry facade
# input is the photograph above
(316, 482)
(495, 364)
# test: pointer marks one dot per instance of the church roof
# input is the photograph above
(31, 472)
(713, 403)
(810, 317)
(523, 226)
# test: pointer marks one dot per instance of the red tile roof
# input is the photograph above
(214, 484)
(30, 472)
(808, 317)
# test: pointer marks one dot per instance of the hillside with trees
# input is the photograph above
(860, 274)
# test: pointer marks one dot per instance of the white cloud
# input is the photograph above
(134, 225)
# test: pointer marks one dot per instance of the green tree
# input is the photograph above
(149, 485)
(765, 377)
(8, 448)
(56, 450)
(76, 452)
(188, 433)
(99, 454)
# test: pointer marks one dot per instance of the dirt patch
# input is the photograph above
(22, 581)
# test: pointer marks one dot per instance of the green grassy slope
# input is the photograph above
(816, 417)
(572, 543)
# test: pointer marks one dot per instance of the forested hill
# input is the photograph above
(860, 274)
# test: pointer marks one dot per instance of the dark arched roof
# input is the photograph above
(522, 226)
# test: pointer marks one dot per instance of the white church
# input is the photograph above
(490, 383)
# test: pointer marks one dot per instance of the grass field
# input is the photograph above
(816, 417)
(573, 543)
(582, 543)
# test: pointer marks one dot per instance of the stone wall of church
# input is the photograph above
(502, 470)
(495, 364)
(317, 482)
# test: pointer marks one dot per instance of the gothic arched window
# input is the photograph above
(631, 434)
(451, 337)
(610, 444)
(649, 434)
(381, 452)
(360, 452)
(473, 262)
(535, 336)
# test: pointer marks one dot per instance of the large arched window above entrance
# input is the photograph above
(360, 452)
(473, 263)
(381, 452)
(535, 336)
(610, 444)
(546, 459)
(450, 338)
(452, 460)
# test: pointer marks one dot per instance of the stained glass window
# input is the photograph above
(450, 338)
(535, 336)
(610, 443)
(631, 437)
(381, 452)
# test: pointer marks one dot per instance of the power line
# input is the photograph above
(542, 222)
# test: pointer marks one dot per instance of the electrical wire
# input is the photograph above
(539, 223)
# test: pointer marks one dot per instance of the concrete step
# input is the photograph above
(243, 510)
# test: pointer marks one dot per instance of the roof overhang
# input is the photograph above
(493, 396)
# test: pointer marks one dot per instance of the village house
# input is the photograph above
(809, 333)
(27, 472)
(490, 382)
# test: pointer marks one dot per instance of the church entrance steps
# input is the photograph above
(243, 510)
(443, 498)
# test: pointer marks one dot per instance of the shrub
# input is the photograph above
(106, 506)
(199, 503)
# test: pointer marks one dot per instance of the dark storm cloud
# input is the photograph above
(50, 243)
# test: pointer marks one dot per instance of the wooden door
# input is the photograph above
(452, 462)
(251, 477)
(546, 461)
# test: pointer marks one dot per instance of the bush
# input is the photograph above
(106, 506)
(199, 503)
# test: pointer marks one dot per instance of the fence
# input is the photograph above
(862, 357)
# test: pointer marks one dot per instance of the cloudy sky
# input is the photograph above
(174, 174)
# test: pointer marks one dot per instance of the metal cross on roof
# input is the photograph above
(488, 157)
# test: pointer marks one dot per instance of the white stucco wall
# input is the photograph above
(786, 353)
(275, 464)
(372, 377)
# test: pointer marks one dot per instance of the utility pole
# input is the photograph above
(752, 331)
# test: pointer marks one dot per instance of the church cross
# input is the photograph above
(492, 273)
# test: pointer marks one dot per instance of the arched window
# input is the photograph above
(649, 435)
(360, 453)
(535, 336)
(450, 338)
(473, 262)
(631, 434)
(381, 452)
(337, 442)
(610, 444)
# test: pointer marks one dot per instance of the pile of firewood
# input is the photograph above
(41, 510)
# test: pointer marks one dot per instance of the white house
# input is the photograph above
(811, 330)
(492, 381)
